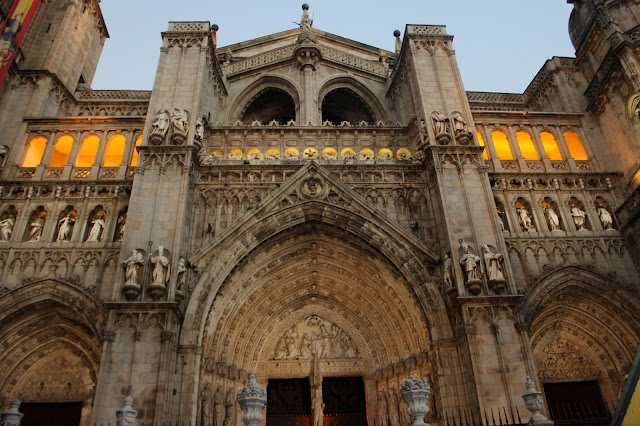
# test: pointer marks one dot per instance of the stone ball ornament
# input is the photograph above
(396, 33)
(215, 27)
(305, 6)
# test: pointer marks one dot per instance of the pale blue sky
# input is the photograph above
(500, 44)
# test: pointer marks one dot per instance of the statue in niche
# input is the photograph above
(274, 155)
(317, 408)
(65, 228)
(470, 262)
(97, 226)
(233, 155)
(329, 156)
(528, 183)
(122, 220)
(349, 155)
(447, 271)
(459, 124)
(161, 123)
(206, 405)
(6, 228)
(180, 121)
(424, 132)
(525, 219)
(493, 263)
(203, 158)
(161, 268)
(440, 122)
(182, 274)
(394, 406)
(132, 267)
(281, 348)
(219, 407)
(605, 218)
(35, 233)
(499, 213)
(199, 136)
(382, 416)
(230, 408)
(579, 217)
(552, 218)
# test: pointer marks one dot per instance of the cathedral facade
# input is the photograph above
(328, 215)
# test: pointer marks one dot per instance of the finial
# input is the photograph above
(305, 6)
(396, 34)
(215, 27)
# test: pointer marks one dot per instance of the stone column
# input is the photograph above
(13, 416)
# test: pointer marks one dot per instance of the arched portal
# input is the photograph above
(269, 104)
(584, 333)
(50, 338)
(343, 104)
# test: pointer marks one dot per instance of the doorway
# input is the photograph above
(344, 400)
(573, 401)
(51, 414)
(289, 402)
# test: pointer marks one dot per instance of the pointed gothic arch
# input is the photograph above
(258, 88)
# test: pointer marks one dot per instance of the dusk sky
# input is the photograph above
(500, 44)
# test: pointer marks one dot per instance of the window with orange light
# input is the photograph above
(61, 151)
(34, 154)
(485, 153)
(550, 145)
(527, 147)
(501, 144)
(88, 150)
(114, 152)
(134, 155)
(576, 148)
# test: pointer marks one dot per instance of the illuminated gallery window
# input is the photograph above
(115, 150)
(550, 146)
(576, 148)
(35, 151)
(134, 155)
(485, 153)
(527, 147)
(88, 151)
(61, 151)
(501, 144)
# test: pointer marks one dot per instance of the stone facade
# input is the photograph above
(304, 202)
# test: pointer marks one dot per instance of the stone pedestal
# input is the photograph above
(534, 403)
(126, 416)
(415, 393)
(252, 399)
(13, 416)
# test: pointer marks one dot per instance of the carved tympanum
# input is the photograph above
(315, 335)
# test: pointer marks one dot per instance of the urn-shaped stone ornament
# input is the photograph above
(13, 416)
(534, 403)
(252, 400)
(415, 393)
(126, 416)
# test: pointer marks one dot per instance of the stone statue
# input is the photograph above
(317, 408)
(305, 22)
(424, 132)
(219, 408)
(206, 405)
(66, 228)
(132, 267)
(203, 158)
(394, 406)
(180, 121)
(36, 229)
(182, 274)
(579, 217)
(230, 408)
(470, 263)
(552, 218)
(459, 124)
(281, 348)
(605, 218)
(161, 268)
(447, 271)
(96, 228)
(293, 352)
(6, 228)
(199, 130)
(525, 219)
(440, 122)
(493, 263)
(382, 416)
(500, 219)
(122, 220)
(161, 123)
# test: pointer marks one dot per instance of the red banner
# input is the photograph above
(13, 31)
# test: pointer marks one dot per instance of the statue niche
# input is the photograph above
(315, 336)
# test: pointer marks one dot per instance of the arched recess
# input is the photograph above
(50, 340)
(257, 88)
(582, 327)
(368, 101)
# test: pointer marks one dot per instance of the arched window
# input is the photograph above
(88, 150)
(576, 148)
(114, 152)
(485, 153)
(61, 151)
(268, 105)
(35, 151)
(134, 155)
(550, 145)
(501, 144)
(527, 147)
(343, 104)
